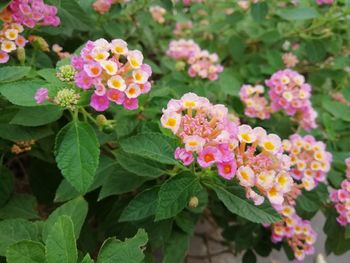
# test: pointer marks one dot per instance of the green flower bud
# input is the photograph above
(21, 54)
(66, 73)
(101, 120)
(67, 98)
(180, 65)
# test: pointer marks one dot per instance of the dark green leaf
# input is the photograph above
(131, 250)
(175, 194)
(235, 201)
(142, 206)
(37, 116)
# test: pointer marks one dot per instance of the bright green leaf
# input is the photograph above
(13, 73)
(15, 230)
(77, 154)
(60, 242)
(37, 116)
(26, 251)
(76, 209)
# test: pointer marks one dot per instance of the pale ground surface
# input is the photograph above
(199, 250)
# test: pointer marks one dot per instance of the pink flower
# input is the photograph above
(116, 96)
(290, 60)
(208, 156)
(82, 80)
(4, 57)
(33, 12)
(184, 156)
(227, 169)
(41, 95)
(99, 103)
(114, 70)
(324, 2)
(131, 104)
(158, 13)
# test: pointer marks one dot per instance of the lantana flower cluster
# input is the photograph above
(201, 63)
(209, 136)
(182, 28)
(298, 233)
(10, 40)
(256, 105)
(19, 14)
(30, 13)
(341, 198)
(309, 159)
(117, 74)
(157, 13)
(289, 92)
(103, 6)
(324, 2)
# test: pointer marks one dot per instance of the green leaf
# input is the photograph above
(60, 242)
(249, 257)
(22, 92)
(315, 51)
(138, 165)
(120, 182)
(106, 166)
(259, 11)
(37, 116)
(176, 248)
(154, 146)
(13, 73)
(72, 17)
(20, 206)
(131, 250)
(142, 206)
(175, 193)
(15, 230)
(77, 154)
(228, 83)
(311, 201)
(26, 251)
(76, 209)
(49, 74)
(234, 200)
(347, 232)
(338, 110)
(298, 13)
(4, 4)
(87, 259)
(19, 133)
(6, 185)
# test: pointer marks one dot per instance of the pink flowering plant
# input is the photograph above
(131, 130)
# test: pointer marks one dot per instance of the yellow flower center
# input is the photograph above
(171, 122)
(269, 146)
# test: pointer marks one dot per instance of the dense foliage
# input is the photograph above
(125, 123)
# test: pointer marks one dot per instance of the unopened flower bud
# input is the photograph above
(101, 120)
(66, 73)
(67, 98)
(193, 203)
(180, 65)
(39, 42)
(21, 54)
